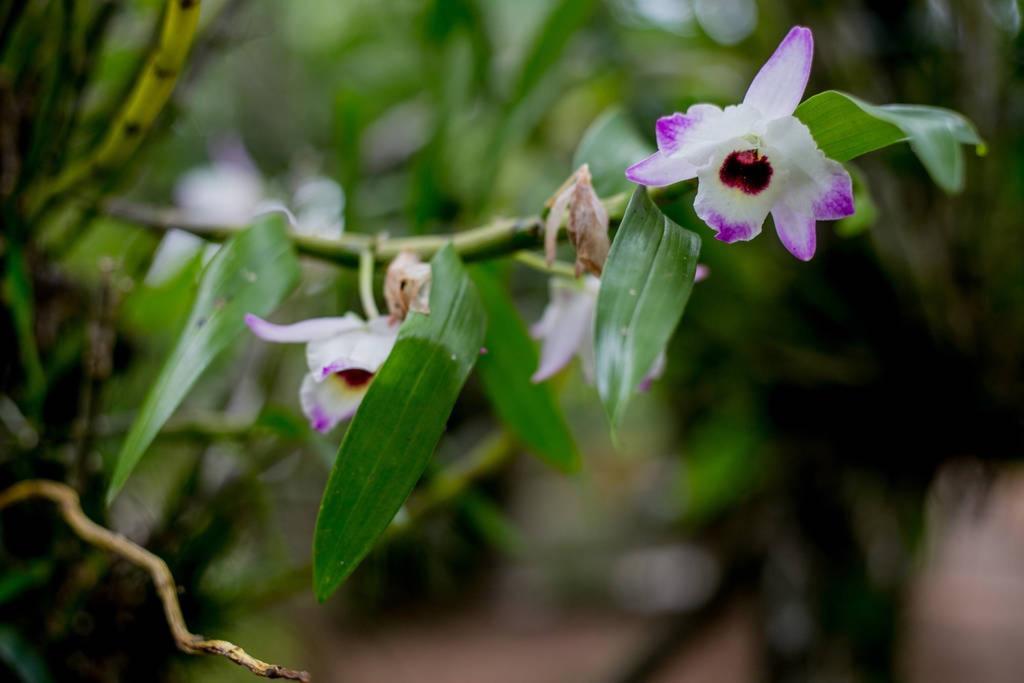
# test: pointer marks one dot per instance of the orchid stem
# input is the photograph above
(366, 284)
(148, 96)
(500, 237)
(89, 531)
(537, 262)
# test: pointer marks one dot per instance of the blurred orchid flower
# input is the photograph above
(231, 191)
(343, 355)
(754, 158)
(566, 328)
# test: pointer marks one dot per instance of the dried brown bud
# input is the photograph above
(587, 225)
(407, 286)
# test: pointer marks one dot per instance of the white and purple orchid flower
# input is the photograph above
(232, 191)
(755, 158)
(343, 355)
(566, 328)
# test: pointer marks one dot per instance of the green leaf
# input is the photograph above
(843, 129)
(251, 273)
(644, 289)
(529, 410)
(399, 423)
(846, 127)
(609, 146)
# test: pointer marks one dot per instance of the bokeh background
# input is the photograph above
(823, 487)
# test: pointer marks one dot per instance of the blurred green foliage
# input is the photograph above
(799, 399)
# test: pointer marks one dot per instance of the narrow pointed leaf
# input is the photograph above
(644, 289)
(846, 127)
(399, 423)
(529, 410)
(251, 273)
(609, 145)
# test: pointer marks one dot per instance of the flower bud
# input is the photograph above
(587, 224)
(407, 286)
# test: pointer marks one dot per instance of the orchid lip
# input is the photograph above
(748, 171)
(355, 377)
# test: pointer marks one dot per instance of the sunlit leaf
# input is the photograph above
(530, 410)
(644, 289)
(846, 127)
(251, 273)
(609, 146)
(401, 419)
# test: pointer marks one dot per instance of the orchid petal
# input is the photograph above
(566, 325)
(303, 331)
(221, 193)
(734, 215)
(174, 251)
(364, 347)
(796, 229)
(656, 371)
(659, 170)
(326, 404)
(835, 200)
(670, 131)
(779, 85)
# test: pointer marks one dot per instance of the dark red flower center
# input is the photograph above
(354, 377)
(748, 171)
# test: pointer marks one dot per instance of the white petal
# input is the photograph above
(655, 373)
(779, 85)
(812, 179)
(659, 170)
(319, 204)
(328, 403)
(796, 228)
(567, 324)
(221, 193)
(175, 250)
(734, 215)
(304, 331)
(363, 348)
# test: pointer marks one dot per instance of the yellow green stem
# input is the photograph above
(148, 96)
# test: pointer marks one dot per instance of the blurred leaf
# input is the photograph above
(23, 659)
(401, 419)
(610, 145)
(722, 465)
(646, 283)
(163, 308)
(491, 522)
(535, 89)
(251, 273)
(21, 302)
(554, 34)
(530, 410)
(845, 127)
(16, 580)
